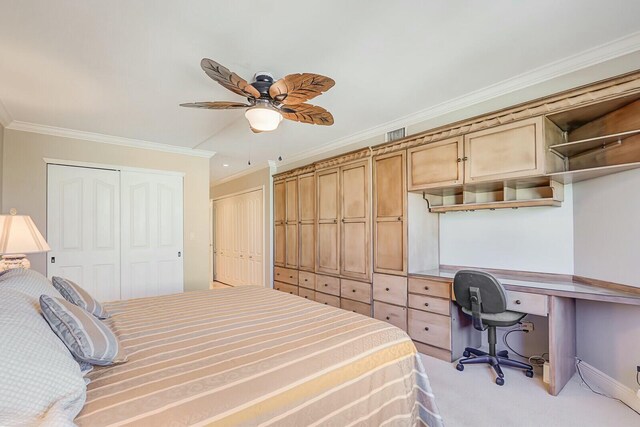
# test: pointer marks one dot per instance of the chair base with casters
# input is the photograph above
(498, 359)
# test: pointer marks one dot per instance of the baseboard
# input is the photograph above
(609, 386)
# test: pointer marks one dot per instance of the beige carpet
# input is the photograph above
(471, 398)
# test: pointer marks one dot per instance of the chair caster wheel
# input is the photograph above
(466, 353)
(500, 381)
(460, 367)
(529, 374)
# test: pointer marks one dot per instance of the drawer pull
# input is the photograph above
(290, 277)
(277, 274)
(426, 288)
(305, 280)
(387, 289)
(353, 290)
(388, 318)
(518, 302)
(426, 328)
(426, 304)
(326, 284)
(326, 303)
(306, 297)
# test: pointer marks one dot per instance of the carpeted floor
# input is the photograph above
(471, 398)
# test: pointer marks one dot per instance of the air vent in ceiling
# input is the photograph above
(396, 134)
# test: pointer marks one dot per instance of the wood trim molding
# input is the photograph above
(324, 164)
(578, 97)
(607, 285)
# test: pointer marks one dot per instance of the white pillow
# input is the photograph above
(40, 382)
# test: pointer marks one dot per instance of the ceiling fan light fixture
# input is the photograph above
(262, 118)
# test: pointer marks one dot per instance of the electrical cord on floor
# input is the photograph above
(536, 360)
(578, 361)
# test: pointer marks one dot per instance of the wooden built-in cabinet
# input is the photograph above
(279, 231)
(307, 229)
(328, 237)
(390, 214)
(355, 232)
(439, 164)
(291, 223)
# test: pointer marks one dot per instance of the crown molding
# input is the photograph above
(106, 139)
(587, 58)
(5, 117)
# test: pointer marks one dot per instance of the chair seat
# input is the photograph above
(506, 318)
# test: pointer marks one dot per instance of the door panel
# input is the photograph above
(354, 249)
(389, 186)
(280, 245)
(292, 199)
(307, 247)
(152, 249)
(83, 228)
(279, 202)
(355, 227)
(307, 197)
(438, 164)
(292, 246)
(328, 234)
(390, 246)
(507, 151)
(328, 193)
(354, 192)
(328, 248)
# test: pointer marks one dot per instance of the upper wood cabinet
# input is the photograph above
(355, 227)
(509, 151)
(328, 231)
(307, 221)
(389, 210)
(279, 232)
(439, 164)
(291, 197)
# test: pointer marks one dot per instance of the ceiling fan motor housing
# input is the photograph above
(262, 81)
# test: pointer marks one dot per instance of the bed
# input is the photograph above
(256, 357)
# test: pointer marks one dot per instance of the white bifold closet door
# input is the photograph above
(152, 238)
(83, 228)
(238, 239)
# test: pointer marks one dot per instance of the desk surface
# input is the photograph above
(546, 284)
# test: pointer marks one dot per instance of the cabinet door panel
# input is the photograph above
(389, 186)
(292, 246)
(328, 195)
(436, 164)
(279, 202)
(307, 247)
(292, 199)
(354, 191)
(509, 151)
(279, 244)
(328, 248)
(390, 246)
(354, 249)
(307, 197)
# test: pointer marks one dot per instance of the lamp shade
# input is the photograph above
(263, 119)
(19, 235)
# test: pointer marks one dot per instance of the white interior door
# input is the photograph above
(83, 228)
(238, 239)
(152, 238)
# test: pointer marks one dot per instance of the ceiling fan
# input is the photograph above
(269, 102)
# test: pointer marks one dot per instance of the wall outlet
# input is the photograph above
(527, 326)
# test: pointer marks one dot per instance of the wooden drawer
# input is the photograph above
(307, 293)
(527, 303)
(393, 314)
(431, 304)
(286, 275)
(436, 352)
(355, 306)
(429, 287)
(328, 299)
(328, 285)
(306, 279)
(429, 328)
(354, 290)
(285, 287)
(391, 289)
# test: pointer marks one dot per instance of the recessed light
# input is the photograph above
(225, 165)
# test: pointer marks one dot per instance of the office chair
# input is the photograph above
(482, 297)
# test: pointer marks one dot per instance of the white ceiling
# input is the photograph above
(122, 67)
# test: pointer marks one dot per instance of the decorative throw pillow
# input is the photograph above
(73, 293)
(28, 282)
(88, 339)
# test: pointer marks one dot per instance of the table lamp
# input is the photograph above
(19, 236)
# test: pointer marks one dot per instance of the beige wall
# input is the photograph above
(25, 187)
(607, 235)
(259, 179)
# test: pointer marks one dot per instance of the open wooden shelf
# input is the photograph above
(575, 148)
(512, 194)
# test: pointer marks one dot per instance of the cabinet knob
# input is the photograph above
(325, 303)
(353, 290)
(290, 277)
(465, 158)
(518, 302)
(459, 159)
(426, 328)
(335, 220)
(399, 218)
(326, 284)
(426, 304)
(387, 289)
(305, 280)
(388, 318)
(426, 288)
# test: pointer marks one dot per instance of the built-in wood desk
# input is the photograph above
(550, 295)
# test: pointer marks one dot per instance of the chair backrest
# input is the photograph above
(494, 299)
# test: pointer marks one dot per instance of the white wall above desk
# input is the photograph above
(527, 239)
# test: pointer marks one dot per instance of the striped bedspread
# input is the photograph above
(256, 357)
